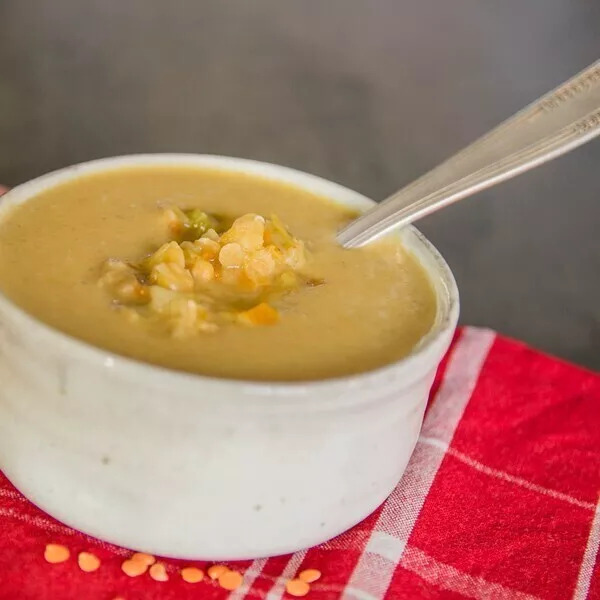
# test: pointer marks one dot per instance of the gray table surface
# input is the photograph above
(370, 94)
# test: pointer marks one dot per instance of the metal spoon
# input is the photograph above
(558, 122)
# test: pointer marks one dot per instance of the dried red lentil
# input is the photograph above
(216, 571)
(158, 572)
(192, 575)
(134, 568)
(310, 575)
(88, 562)
(230, 580)
(146, 559)
(297, 587)
(56, 553)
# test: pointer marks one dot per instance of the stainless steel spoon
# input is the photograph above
(558, 122)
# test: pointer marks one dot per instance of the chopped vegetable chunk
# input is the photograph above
(208, 279)
(261, 314)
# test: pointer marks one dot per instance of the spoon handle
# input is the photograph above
(556, 123)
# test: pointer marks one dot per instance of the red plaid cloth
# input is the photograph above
(500, 500)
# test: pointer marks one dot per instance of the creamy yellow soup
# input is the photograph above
(352, 310)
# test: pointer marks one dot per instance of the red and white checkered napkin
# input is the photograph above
(500, 500)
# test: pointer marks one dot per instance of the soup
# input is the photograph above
(100, 258)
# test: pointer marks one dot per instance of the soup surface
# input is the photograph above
(368, 307)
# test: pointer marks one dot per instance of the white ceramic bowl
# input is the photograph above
(196, 467)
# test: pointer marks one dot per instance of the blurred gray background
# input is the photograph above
(368, 93)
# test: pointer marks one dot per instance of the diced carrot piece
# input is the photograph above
(261, 314)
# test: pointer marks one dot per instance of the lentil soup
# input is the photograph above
(212, 272)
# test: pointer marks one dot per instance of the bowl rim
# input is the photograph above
(426, 353)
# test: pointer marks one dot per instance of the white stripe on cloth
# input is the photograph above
(49, 526)
(277, 591)
(253, 571)
(38, 522)
(441, 575)
(589, 559)
(479, 466)
(449, 578)
(373, 572)
(11, 494)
